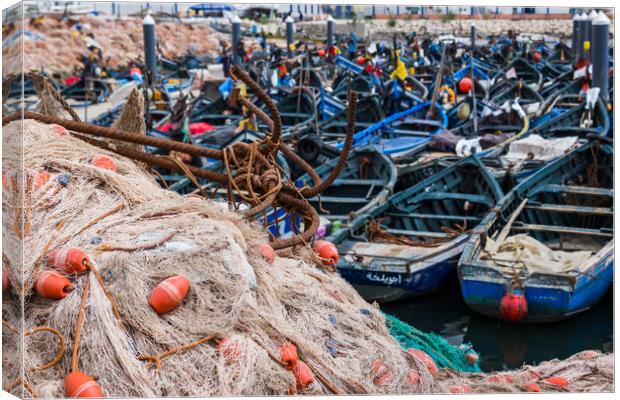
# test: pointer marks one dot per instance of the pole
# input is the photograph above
(330, 31)
(600, 54)
(150, 46)
(236, 38)
(588, 33)
(473, 81)
(574, 38)
(289, 35)
(581, 29)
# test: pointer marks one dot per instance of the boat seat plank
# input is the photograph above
(408, 132)
(340, 199)
(571, 209)
(472, 198)
(458, 218)
(561, 229)
(358, 182)
(555, 188)
(427, 122)
(439, 235)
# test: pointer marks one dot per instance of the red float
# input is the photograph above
(69, 260)
(267, 252)
(169, 294)
(52, 285)
(465, 85)
(79, 384)
(326, 251)
(513, 306)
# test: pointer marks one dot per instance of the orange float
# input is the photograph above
(321, 53)
(79, 384)
(228, 349)
(303, 375)
(413, 378)
(169, 294)
(288, 355)
(557, 381)
(471, 357)
(383, 374)
(425, 358)
(267, 252)
(103, 161)
(326, 251)
(59, 130)
(460, 389)
(42, 178)
(531, 387)
(52, 285)
(69, 260)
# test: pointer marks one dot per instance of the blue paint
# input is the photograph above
(418, 283)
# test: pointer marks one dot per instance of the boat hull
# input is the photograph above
(549, 298)
(386, 286)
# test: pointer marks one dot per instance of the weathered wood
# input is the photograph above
(506, 229)
(563, 230)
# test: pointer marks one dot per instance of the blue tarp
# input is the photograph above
(212, 7)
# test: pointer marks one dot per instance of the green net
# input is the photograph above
(443, 353)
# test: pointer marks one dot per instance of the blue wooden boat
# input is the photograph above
(403, 132)
(571, 115)
(410, 245)
(568, 205)
(523, 71)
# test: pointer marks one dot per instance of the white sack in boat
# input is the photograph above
(535, 147)
(466, 147)
(535, 256)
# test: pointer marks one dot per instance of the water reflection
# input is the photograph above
(505, 346)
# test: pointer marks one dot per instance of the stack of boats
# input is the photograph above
(495, 167)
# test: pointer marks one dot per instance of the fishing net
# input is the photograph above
(137, 234)
(443, 353)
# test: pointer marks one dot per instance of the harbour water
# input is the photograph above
(504, 346)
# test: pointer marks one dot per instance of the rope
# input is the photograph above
(157, 358)
(61, 351)
(78, 327)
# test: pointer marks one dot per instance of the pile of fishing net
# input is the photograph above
(58, 47)
(247, 326)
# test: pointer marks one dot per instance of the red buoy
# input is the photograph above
(360, 60)
(537, 56)
(557, 381)
(52, 285)
(425, 358)
(288, 355)
(59, 130)
(382, 373)
(303, 375)
(69, 260)
(41, 179)
(229, 349)
(368, 68)
(327, 251)
(465, 85)
(413, 378)
(513, 306)
(79, 384)
(471, 357)
(460, 389)
(531, 387)
(321, 53)
(103, 161)
(169, 294)
(267, 252)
